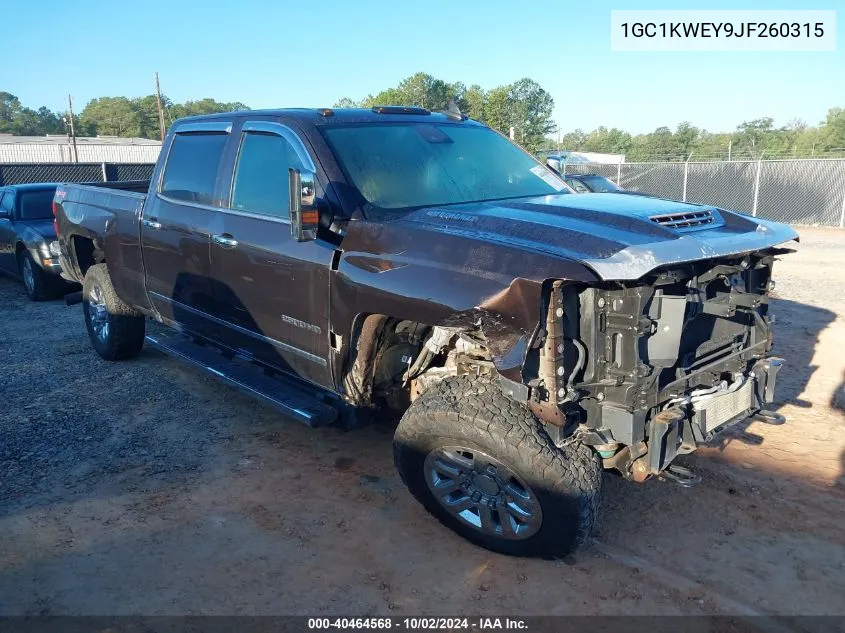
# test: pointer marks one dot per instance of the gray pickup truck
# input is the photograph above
(339, 263)
(28, 246)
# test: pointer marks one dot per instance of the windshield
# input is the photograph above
(37, 205)
(600, 184)
(409, 165)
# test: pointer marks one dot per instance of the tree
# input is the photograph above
(419, 90)
(531, 113)
(146, 108)
(10, 106)
(425, 91)
(346, 102)
(498, 109)
(574, 140)
(204, 106)
(753, 134)
(832, 131)
(472, 103)
(685, 138)
(609, 141)
(49, 122)
(523, 105)
(112, 116)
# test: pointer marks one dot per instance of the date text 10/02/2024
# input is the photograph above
(418, 624)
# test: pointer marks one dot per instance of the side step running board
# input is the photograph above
(289, 399)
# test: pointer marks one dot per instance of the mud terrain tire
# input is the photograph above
(474, 415)
(116, 330)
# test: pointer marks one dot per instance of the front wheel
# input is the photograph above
(116, 330)
(483, 465)
(34, 279)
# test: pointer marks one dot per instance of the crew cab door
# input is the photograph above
(176, 225)
(270, 289)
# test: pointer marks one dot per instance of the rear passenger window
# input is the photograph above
(192, 165)
(261, 177)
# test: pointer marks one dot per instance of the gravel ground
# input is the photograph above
(144, 487)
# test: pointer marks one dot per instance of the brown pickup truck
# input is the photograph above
(336, 263)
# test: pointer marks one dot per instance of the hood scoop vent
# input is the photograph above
(689, 220)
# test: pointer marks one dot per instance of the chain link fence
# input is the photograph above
(22, 173)
(807, 192)
(804, 192)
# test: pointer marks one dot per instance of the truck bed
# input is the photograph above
(137, 186)
(108, 215)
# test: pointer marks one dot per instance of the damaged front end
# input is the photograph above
(645, 371)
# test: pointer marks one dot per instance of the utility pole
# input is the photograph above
(160, 109)
(730, 143)
(72, 130)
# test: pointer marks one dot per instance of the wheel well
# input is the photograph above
(86, 252)
(392, 360)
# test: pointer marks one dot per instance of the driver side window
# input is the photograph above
(261, 182)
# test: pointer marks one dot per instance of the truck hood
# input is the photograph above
(42, 228)
(620, 237)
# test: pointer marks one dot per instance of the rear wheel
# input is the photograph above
(485, 467)
(116, 330)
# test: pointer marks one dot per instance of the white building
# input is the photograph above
(58, 148)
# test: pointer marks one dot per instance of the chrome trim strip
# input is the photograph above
(205, 126)
(285, 132)
(187, 203)
(208, 207)
(254, 216)
(260, 337)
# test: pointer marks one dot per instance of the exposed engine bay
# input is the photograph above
(641, 371)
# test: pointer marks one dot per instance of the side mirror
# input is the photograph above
(304, 215)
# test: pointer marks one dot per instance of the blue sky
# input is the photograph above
(278, 53)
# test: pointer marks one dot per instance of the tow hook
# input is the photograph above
(684, 477)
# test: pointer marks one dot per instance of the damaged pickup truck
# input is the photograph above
(339, 263)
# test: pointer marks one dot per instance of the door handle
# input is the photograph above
(153, 224)
(225, 240)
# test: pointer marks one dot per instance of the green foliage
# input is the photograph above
(106, 116)
(203, 106)
(473, 102)
(524, 105)
(751, 140)
(346, 102)
(112, 116)
(16, 119)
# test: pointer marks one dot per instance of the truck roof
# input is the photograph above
(341, 115)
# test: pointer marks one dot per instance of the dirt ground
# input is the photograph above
(146, 488)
